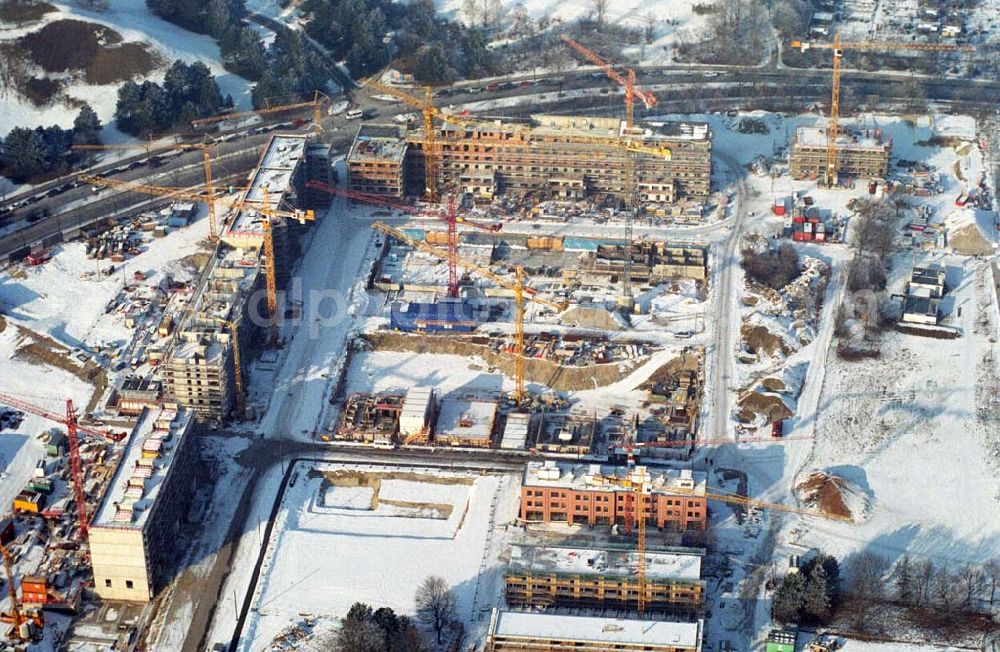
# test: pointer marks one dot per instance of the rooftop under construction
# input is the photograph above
(547, 157)
(860, 153)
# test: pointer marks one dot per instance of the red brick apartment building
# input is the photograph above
(589, 495)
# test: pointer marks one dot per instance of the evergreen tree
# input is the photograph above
(86, 127)
(816, 596)
(787, 602)
(24, 153)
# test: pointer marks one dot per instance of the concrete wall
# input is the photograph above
(119, 557)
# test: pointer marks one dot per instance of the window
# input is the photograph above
(107, 583)
(129, 584)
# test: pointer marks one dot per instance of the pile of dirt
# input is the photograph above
(833, 495)
(965, 237)
(773, 384)
(596, 317)
(689, 360)
(77, 46)
(771, 406)
(758, 338)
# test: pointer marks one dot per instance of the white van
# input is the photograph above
(354, 114)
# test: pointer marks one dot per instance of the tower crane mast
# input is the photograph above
(839, 47)
(630, 186)
(522, 293)
(206, 154)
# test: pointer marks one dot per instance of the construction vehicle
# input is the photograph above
(839, 47)
(206, 152)
(432, 146)
(73, 429)
(318, 100)
(630, 189)
(267, 212)
(522, 293)
(450, 216)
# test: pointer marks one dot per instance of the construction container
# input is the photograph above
(455, 315)
(779, 207)
(41, 485)
(29, 501)
(34, 590)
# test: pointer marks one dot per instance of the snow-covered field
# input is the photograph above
(65, 298)
(133, 20)
(330, 552)
(671, 19)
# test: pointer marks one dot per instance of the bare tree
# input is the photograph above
(436, 605)
(945, 589)
(865, 585)
(991, 569)
(601, 9)
(970, 581)
(649, 31)
(923, 575)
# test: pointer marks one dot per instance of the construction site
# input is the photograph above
(519, 354)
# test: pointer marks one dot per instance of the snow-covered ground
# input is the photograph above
(328, 553)
(671, 19)
(66, 297)
(134, 21)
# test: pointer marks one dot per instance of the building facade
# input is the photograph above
(602, 578)
(133, 532)
(595, 495)
(376, 163)
(860, 153)
(558, 157)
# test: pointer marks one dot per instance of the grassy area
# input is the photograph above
(23, 11)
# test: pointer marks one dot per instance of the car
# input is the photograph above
(526, 83)
(712, 73)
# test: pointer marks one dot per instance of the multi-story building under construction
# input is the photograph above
(595, 495)
(145, 507)
(551, 157)
(199, 372)
(528, 631)
(860, 153)
(376, 163)
(602, 578)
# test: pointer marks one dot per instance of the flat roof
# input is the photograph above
(847, 138)
(143, 468)
(602, 630)
(274, 173)
(594, 477)
(604, 562)
(467, 418)
(932, 275)
(378, 143)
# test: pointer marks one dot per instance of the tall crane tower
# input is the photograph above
(522, 293)
(268, 213)
(316, 103)
(839, 47)
(451, 216)
(73, 430)
(630, 186)
(206, 152)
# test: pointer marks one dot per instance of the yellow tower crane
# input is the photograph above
(206, 153)
(522, 293)
(269, 212)
(639, 504)
(318, 100)
(839, 47)
(432, 146)
(161, 191)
